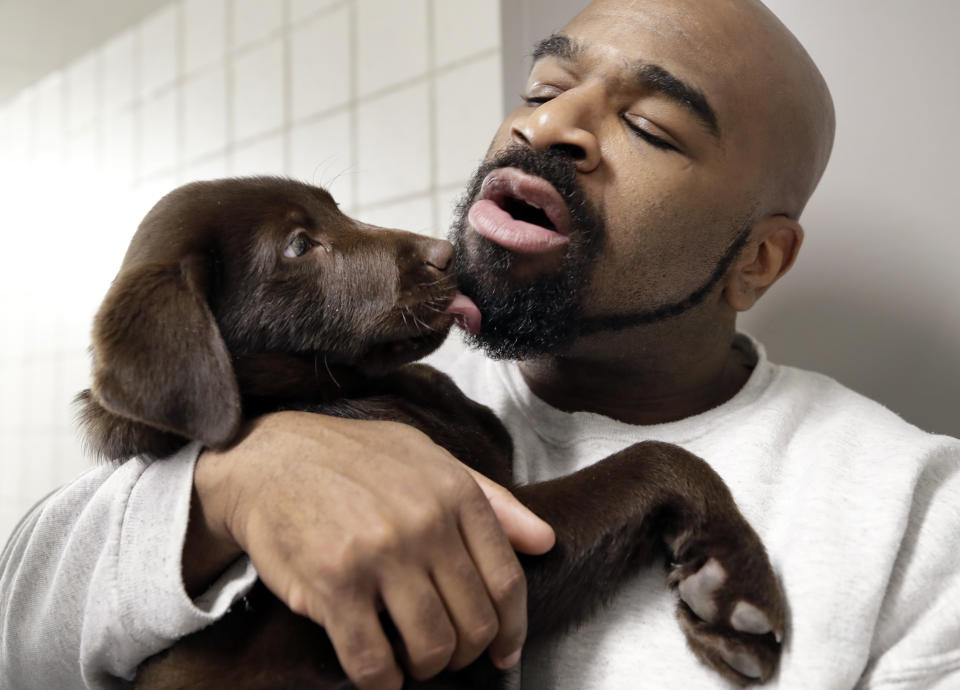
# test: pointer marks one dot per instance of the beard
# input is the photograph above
(542, 316)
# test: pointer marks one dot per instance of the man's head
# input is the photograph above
(685, 138)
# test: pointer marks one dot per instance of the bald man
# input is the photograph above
(674, 145)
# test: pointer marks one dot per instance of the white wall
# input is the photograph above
(874, 299)
(523, 24)
(390, 104)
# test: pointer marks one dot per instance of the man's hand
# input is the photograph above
(344, 517)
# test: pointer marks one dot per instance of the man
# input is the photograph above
(684, 138)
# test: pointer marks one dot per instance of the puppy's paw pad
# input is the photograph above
(698, 590)
(748, 618)
(742, 662)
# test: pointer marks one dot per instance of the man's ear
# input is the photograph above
(771, 251)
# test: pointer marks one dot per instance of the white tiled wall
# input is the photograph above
(389, 103)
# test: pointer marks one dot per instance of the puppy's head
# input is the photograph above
(223, 269)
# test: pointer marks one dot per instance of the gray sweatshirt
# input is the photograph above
(859, 511)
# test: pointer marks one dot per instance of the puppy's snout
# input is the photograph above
(438, 254)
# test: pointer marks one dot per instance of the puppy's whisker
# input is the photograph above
(330, 373)
(423, 324)
(438, 281)
(435, 307)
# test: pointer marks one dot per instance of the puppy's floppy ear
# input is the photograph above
(159, 357)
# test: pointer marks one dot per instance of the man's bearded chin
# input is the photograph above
(524, 319)
(541, 316)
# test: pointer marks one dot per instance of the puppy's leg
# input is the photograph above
(613, 517)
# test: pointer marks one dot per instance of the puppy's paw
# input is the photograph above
(732, 608)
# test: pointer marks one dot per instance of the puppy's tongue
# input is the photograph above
(465, 312)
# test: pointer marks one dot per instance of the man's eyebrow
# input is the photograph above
(558, 46)
(649, 76)
(656, 78)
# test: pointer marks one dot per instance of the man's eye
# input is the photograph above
(534, 101)
(299, 245)
(651, 139)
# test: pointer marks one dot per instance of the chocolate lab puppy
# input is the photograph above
(242, 296)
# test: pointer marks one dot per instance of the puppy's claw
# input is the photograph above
(749, 619)
(743, 663)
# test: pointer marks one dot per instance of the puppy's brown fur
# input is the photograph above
(241, 296)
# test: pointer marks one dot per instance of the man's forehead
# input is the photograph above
(713, 44)
(626, 23)
(689, 41)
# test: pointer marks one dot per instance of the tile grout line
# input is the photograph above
(179, 81)
(229, 66)
(353, 53)
(59, 320)
(98, 113)
(136, 107)
(287, 77)
(329, 9)
(432, 116)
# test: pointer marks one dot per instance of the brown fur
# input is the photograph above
(207, 323)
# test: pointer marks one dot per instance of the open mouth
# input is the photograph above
(520, 212)
(527, 212)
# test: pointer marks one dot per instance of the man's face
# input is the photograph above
(624, 117)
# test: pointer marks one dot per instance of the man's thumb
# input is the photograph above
(527, 532)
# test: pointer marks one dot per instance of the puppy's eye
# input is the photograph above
(299, 245)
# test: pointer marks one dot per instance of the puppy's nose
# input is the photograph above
(439, 254)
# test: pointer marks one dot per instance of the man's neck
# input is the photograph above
(645, 382)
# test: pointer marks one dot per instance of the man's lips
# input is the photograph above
(490, 219)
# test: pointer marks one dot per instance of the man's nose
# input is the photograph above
(567, 124)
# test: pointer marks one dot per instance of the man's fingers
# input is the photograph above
(501, 574)
(525, 530)
(429, 638)
(361, 646)
(468, 603)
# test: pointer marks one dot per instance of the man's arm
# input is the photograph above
(97, 577)
(917, 640)
(90, 581)
(339, 516)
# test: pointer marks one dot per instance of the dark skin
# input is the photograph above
(375, 513)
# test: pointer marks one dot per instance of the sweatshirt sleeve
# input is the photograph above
(917, 641)
(90, 581)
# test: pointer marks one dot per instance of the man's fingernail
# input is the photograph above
(510, 661)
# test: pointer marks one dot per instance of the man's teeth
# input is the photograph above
(530, 203)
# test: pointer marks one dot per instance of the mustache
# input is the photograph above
(557, 167)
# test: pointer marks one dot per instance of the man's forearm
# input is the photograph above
(207, 549)
(92, 584)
